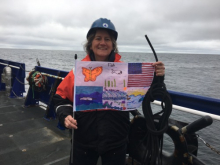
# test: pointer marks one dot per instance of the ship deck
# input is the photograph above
(27, 138)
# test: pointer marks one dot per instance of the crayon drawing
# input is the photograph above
(88, 97)
(91, 74)
(140, 74)
(114, 98)
(111, 85)
(135, 96)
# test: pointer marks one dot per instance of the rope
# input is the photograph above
(154, 138)
(37, 81)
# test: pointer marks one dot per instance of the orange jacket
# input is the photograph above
(65, 90)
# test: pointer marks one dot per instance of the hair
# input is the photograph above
(91, 36)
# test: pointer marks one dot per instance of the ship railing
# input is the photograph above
(33, 98)
(13, 80)
(181, 101)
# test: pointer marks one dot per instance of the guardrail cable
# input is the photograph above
(21, 82)
(24, 69)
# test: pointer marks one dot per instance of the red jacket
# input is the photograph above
(99, 130)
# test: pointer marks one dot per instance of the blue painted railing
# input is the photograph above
(18, 77)
(200, 103)
(204, 104)
(45, 96)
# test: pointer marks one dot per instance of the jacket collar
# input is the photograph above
(117, 58)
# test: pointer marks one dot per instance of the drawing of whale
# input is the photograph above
(86, 98)
(116, 71)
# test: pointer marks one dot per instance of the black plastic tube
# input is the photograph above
(155, 55)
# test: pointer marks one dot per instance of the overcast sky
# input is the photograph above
(174, 26)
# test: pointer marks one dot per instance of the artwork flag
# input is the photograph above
(111, 85)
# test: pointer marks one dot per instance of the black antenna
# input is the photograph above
(38, 62)
(155, 55)
(73, 131)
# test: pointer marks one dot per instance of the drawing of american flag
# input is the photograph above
(140, 74)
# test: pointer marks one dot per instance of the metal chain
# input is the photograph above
(208, 145)
(24, 69)
(16, 95)
(21, 82)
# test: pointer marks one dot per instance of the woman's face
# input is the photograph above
(102, 45)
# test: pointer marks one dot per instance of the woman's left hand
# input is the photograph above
(159, 68)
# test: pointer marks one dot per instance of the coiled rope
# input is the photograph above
(37, 81)
(154, 137)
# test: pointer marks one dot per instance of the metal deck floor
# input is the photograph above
(27, 138)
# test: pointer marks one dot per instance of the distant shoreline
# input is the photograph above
(149, 52)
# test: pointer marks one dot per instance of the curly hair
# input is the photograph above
(88, 43)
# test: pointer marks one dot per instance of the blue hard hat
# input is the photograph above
(103, 23)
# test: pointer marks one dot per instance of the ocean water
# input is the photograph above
(197, 74)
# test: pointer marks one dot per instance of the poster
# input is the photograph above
(111, 85)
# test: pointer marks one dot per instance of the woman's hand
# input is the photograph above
(159, 68)
(70, 122)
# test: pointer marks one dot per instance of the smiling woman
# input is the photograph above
(101, 45)
(98, 132)
(101, 41)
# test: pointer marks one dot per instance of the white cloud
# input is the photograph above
(172, 26)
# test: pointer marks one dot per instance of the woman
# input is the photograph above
(97, 133)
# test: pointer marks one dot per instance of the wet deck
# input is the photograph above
(27, 138)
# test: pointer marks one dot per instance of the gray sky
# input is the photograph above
(174, 26)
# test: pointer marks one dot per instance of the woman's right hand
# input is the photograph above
(70, 122)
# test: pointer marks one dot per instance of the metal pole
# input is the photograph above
(73, 117)
(50, 75)
(189, 110)
(16, 67)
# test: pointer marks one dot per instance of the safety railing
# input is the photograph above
(54, 77)
(195, 104)
(185, 101)
(12, 78)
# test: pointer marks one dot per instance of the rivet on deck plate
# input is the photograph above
(10, 135)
